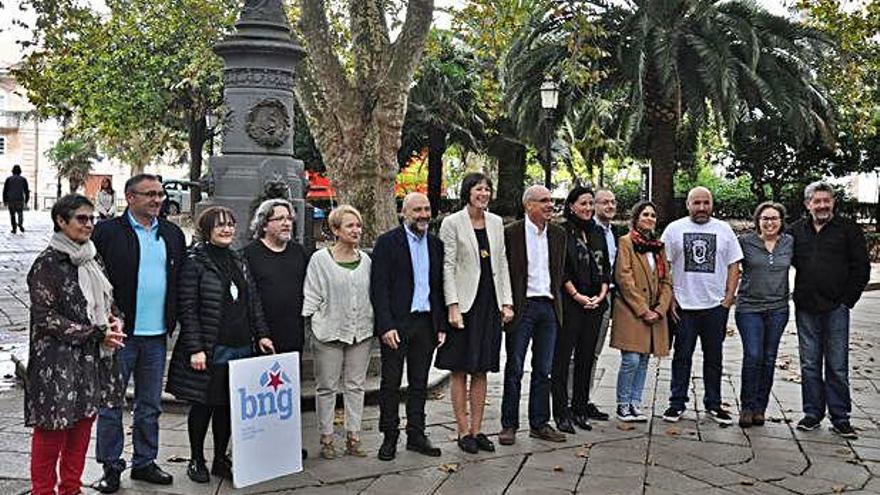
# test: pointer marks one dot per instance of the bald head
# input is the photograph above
(538, 205)
(416, 210)
(699, 204)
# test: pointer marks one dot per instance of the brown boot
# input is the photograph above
(507, 436)
(758, 419)
(547, 433)
(746, 419)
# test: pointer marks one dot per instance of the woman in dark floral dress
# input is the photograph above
(73, 334)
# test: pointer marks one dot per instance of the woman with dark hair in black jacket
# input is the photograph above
(221, 318)
(585, 285)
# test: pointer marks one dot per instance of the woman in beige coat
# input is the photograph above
(639, 325)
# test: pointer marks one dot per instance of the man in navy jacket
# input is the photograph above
(407, 293)
(142, 255)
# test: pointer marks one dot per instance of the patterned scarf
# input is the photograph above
(648, 243)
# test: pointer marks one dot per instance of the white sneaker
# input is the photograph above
(637, 414)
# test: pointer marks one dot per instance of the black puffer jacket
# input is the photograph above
(200, 304)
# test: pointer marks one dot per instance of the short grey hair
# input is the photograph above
(819, 185)
(529, 193)
(264, 211)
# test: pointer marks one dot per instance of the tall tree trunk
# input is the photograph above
(511, 158)
(662, 149)
(436, 149)
(198, 133)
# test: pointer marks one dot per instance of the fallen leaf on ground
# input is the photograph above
(558, 469)
(838, 488)
(177, 458)
(625, 427)
(582, 453)
(746, 482)
(673, 431)
(436, 395)
(449, 467)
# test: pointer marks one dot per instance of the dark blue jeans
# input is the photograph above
(760, 333)
(145, 357)
(710, 326)
(538, 324)
(824, 337)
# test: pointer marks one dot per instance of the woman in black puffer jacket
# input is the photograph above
(221, 318)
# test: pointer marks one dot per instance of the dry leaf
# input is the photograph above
(673, 431)
(746, 482)
(177, 458)
(558, 469)
(690, 432)
(582, 453)
(838, 488)
(436, 395)
(625, 426)
(449, 467)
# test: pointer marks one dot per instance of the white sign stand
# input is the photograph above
(266, 423)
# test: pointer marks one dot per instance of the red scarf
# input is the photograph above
(649, 245)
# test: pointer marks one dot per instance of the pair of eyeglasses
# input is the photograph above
(150, 194)
(84, 219)
(220, 225)
(280, 219)
(769, 219)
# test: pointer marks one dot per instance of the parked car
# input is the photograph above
(178, 192)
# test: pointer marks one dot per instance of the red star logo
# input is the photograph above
(275, 381)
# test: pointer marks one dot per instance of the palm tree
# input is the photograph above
(73, 156)
(689, 60)
(442, 109)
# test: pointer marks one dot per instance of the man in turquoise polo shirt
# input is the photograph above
(142, 254)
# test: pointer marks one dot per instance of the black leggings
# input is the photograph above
(197, 422)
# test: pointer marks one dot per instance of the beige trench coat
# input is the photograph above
(638, 290)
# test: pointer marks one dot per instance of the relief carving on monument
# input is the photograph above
(268, 123)
(263, 10)
(261, 78)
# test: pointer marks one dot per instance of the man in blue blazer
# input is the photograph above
(407, 293)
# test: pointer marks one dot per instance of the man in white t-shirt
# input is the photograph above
(704, 254)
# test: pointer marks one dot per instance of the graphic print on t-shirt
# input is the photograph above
(699, 252)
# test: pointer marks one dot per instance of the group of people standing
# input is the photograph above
(105, 298)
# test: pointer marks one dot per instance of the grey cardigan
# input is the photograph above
(338, 299)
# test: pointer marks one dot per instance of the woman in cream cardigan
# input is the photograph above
(337, 301)
(476, 284)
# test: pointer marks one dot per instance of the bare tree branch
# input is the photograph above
(409, 45)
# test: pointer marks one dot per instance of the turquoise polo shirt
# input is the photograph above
(152, 282)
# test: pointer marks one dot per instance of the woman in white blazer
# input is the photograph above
(476, 285)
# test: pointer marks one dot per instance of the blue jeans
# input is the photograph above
(145, 357)
(631, 377)
(825, 337)
(710, 326)
(760, 333)
(537, 324)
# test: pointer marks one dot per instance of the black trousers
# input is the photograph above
(579, 334)
(16, 215)
(200, 415)
(416, 348)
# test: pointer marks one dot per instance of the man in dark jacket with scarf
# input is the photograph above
(142, 254)
(831, 259)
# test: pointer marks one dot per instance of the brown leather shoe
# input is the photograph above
(547, 433)
(758, 419)
(746, 419)
(507, 436)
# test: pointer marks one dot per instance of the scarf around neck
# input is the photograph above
(649, 244)
(94, 284)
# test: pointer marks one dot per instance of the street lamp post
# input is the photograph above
(210, 123)
(549, 101)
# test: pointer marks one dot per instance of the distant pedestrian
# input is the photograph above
(762, 307)
(74, 330)
(221, 320)
(704, 254)
(476, 288)
(143, 255)
(15, 195)
(831, 259)
(640, 326)
(105, 201)
(536, 252)
(584, 299)
(407, 292)
(337, 302)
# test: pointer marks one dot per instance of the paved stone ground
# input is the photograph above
(694, 455)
